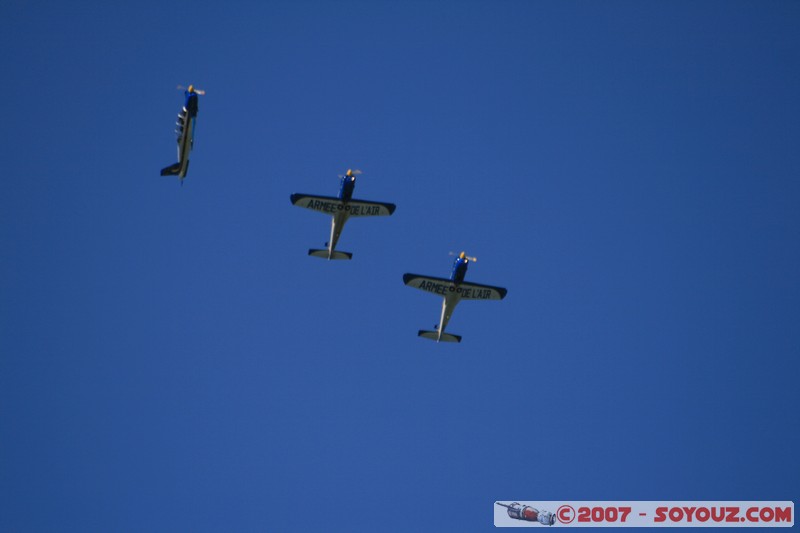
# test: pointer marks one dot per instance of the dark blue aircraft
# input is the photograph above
(453, 290)
(184, 128)
(340, 209)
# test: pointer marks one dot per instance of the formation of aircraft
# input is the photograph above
(340, 209)
(184, 129)
(452, 291)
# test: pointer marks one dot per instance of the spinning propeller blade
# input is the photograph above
(351, 173)
(467, 257)
(198, 91)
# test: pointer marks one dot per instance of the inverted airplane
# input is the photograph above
(452, 290)
(184, 129)
(340, 209)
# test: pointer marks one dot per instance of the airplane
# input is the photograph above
(528, 513)
(185, 131)
(340, 209)
(452, 290)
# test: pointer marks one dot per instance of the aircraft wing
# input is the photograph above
(330, 205)
(443, 287)
(365, 208)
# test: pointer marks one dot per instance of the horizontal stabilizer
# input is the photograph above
(171, 170)
(434, 335)
(335, 255)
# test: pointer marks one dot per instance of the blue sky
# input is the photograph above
(171, 359)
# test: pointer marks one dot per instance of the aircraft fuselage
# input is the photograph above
(185, 132)
(347, 187)
(186, 136)
(459, 270)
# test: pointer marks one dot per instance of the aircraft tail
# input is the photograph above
(335, 255)
(434, 335)
(172, 170)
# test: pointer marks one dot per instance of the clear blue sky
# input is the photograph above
(171, 359)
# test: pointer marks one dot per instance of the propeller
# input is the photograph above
(351, 173)
(190, 89)
(465, 256)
